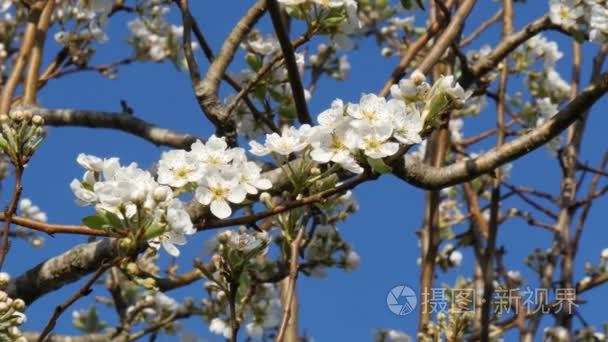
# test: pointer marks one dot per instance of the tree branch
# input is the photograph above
(416, 173)
(293, 73)
(206, 91)
(119, 121)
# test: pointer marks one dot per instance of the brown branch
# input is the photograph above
(10, 211)
(481, 28)
(449, 34)
(206, 91)
(29, 38)
(411, 54)
(291, 287)
(84, 291)
(293, 73)
(52, 229)
(58, 271)
(507, 45)
(264, 70)
(119, 121)
(416, 173)
(31, 82)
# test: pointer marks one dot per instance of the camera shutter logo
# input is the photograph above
(401, 300)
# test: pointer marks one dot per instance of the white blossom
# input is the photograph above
(289, 141)
(374, 142)
(407, 124)
(352, 260)
(371, 111)
(216, 192)
(264, 45)
(456, 258)
(254, 331)
(177, 168)
(220, 327)
(565, 12)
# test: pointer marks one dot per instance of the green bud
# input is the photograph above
(126, 244)
(254, 61)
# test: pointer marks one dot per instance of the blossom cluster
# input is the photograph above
(548, 82)
(265, 309)
(372, 128)
(261, 50)
(129, 197)
(235, 255)
(92, 13)
(217, 174)
(30, 211)
(338, 17)
(587, 15)
(154, 38)
(11, 313)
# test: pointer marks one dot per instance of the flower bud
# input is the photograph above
(14, 332)
(387, 52)
(138, 196)
(4, 118)
(4, 279)
(148, 300)
(604, 254)
(37, 120)
(18, 304)
(315, 171)
(149, 283)
(161, 193)
(132, 268)
(417, 77)
(17, 115)
(3, 296)
(28, 114)
(126, 244)
(322, 48)
(223, 237)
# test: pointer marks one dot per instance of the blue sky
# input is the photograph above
(344, 306)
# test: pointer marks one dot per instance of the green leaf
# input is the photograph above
(407, 4)
(95, 222)
(113, 220)
(254, 62)
(379, 166)
(203, 268)
(154, 230)
(87, 186)
(333, 21)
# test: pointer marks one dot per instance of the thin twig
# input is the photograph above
(84, 291)
(291, 287)
(10, 211)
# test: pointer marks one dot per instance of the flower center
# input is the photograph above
(369, 115)
(218, 192)
(182, 172)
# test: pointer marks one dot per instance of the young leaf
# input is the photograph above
(113, 220)
(379, 166)
(95, 222)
